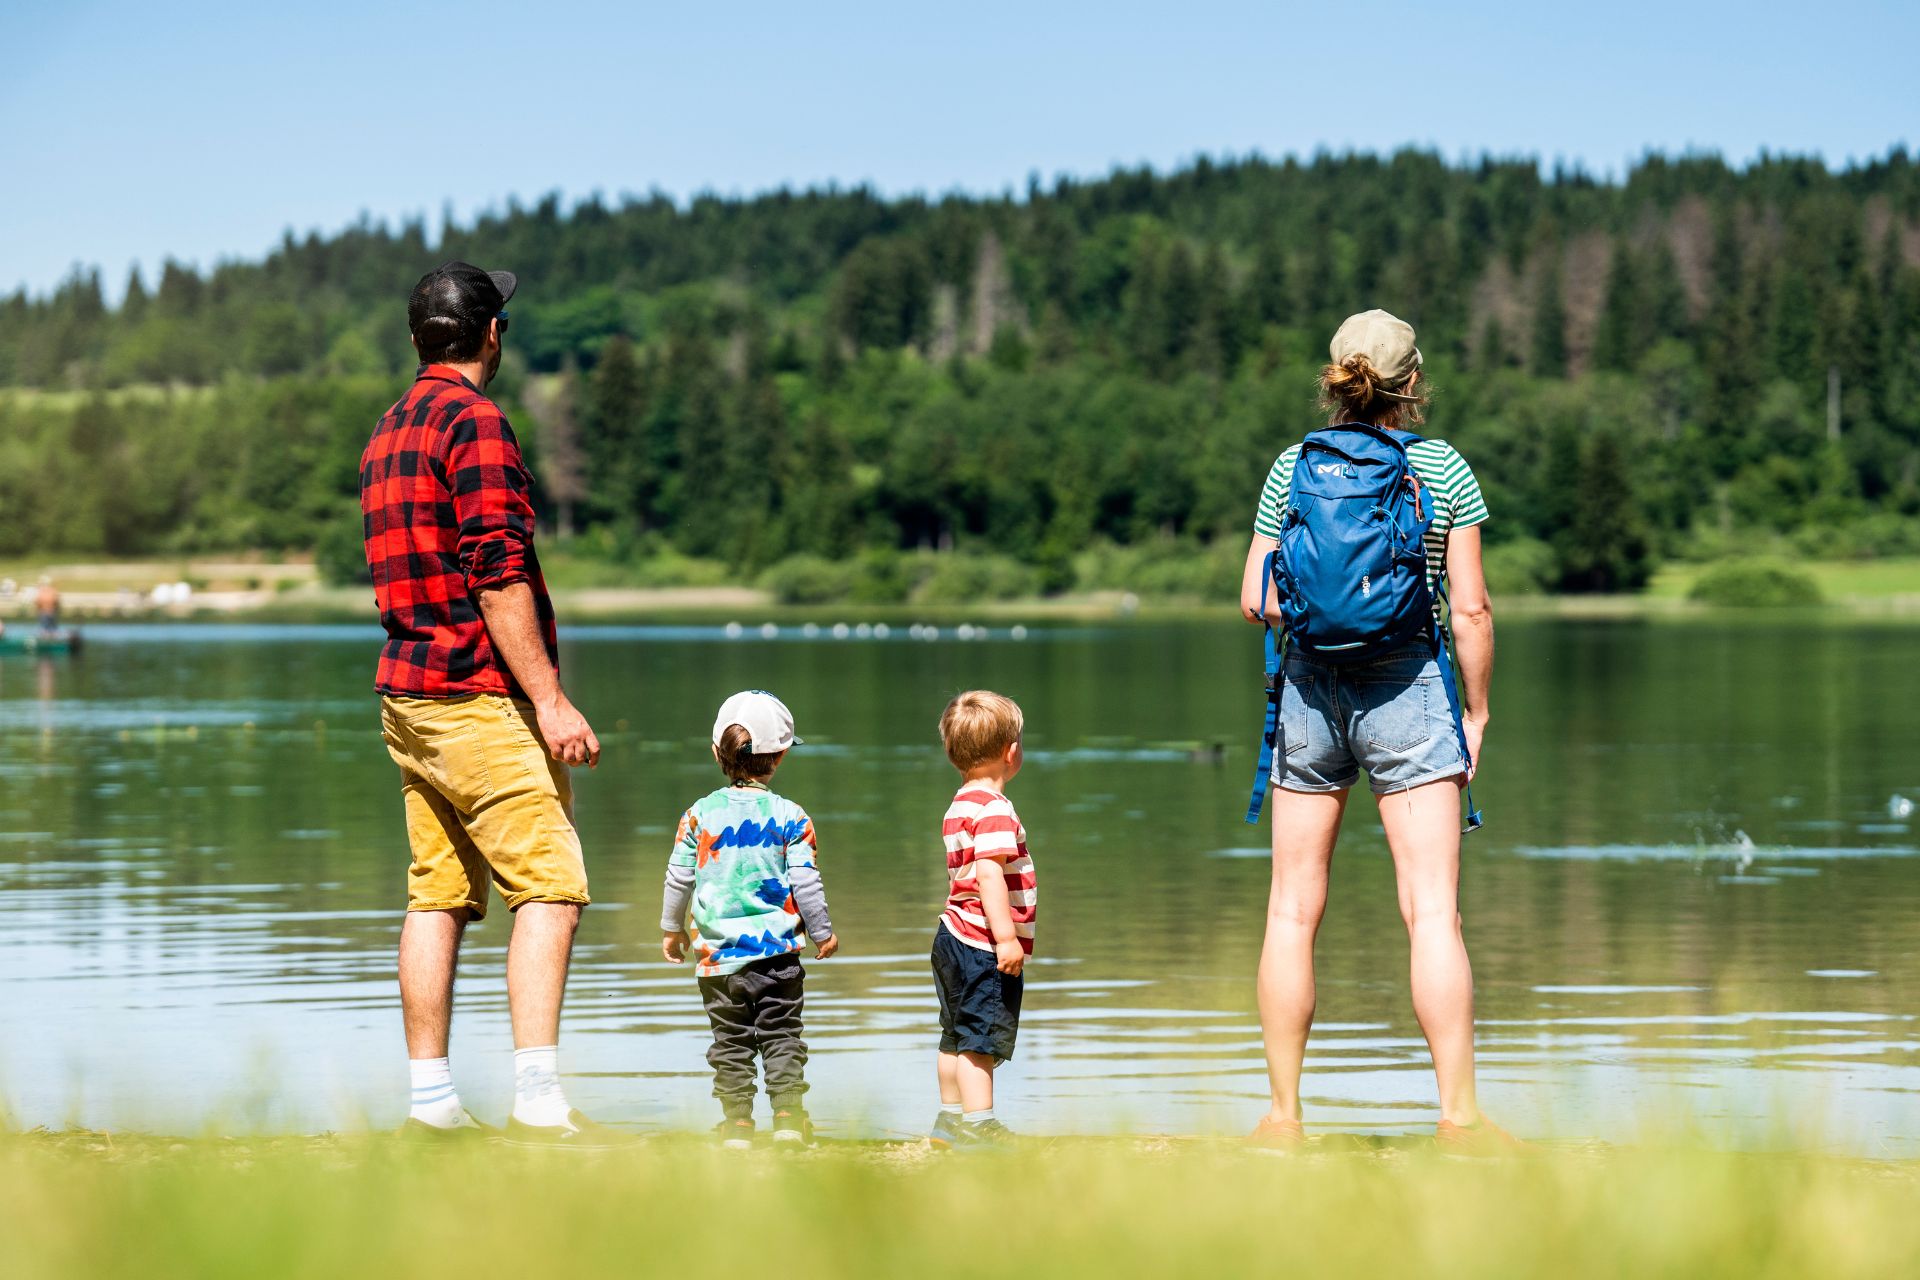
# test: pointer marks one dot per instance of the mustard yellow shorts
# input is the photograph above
(484, 802)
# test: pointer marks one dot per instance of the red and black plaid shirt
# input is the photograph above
(444, 495)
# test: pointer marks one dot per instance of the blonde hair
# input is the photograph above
(979, 726)
(737, 759)
(1351, 391)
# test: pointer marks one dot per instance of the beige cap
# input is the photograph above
(1386, 341)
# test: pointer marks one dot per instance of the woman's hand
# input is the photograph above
(1476, 731)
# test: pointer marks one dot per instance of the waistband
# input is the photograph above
(1416, 650)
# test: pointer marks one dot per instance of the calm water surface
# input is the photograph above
(1695, 898)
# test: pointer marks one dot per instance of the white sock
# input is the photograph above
(975, 1117)
(434, 1099)
(951, 1109)
(538, 1098)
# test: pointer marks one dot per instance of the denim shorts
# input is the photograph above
(1389, 716)
(979, 1005)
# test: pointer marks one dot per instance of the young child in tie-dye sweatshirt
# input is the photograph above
(743, 868)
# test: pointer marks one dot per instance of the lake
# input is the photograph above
(1694, 902)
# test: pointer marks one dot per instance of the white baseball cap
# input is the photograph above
(765, 718)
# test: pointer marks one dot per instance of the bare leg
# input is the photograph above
(949, 1079)
(537, 959)
(1305, 826)
(974, 1075)
(429, 947)
(1423, 830)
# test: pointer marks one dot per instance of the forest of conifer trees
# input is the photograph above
(1691, 359)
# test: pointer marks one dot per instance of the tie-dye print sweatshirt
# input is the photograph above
(743, 869)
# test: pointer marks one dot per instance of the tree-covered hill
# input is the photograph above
(1691, 357)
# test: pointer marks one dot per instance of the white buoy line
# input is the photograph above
(924, 631)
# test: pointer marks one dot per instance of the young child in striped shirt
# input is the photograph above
(986, 932)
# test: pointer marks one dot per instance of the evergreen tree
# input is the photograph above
(1667, 314)
(1617, 340)
(1548, 357)
(1267, 286)
(620, 482)
(133, 307)
(1605, 547)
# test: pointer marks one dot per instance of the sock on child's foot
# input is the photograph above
(951, 1109)
(434, 1099)
(538, 1098)
(976, 1117)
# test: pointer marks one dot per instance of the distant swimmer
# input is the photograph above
(46, 602)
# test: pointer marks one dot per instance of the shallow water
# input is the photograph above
(1695, 900)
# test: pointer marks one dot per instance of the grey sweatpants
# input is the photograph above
(757, 1010)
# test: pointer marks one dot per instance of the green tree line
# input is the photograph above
(1686, 359)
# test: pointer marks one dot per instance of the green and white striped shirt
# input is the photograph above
(1456, 496)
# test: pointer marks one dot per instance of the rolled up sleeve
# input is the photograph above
(492, 502)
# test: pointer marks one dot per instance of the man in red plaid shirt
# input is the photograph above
(472, 710)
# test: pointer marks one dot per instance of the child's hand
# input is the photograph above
(826, 946)
(1009, 956)
(674, 947)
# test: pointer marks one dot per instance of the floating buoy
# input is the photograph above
(768, 631)
(863, 630)
(1018, 632)
(839, 631)
(811, 630)
(881, 631)
(733, 631)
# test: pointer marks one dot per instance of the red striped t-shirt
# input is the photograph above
(981, 824)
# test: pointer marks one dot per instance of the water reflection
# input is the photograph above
(1694, 900)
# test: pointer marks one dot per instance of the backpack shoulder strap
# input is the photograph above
(1450, 678)
(1276, 651)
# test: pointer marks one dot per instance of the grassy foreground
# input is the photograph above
(86, 1204)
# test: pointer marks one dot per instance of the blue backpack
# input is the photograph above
(1350, 573)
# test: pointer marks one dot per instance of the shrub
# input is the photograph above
(340, 553)
(884, 576)
(960, 578)
(1523, 567)
(805, 579)
(1166, 567)
(1882, 533)
(1754, 584)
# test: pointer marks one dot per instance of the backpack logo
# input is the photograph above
(1340, 469)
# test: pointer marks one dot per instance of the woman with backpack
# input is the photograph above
(1360, 530)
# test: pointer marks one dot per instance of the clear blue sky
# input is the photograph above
(204, 128)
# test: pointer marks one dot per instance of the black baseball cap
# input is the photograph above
(459, 293)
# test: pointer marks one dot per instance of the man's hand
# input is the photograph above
(1476, 727)
(674, 947)
(1009, 957)
(826, 946)
(569, 737)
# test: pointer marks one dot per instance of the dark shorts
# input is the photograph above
(979, 1005)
